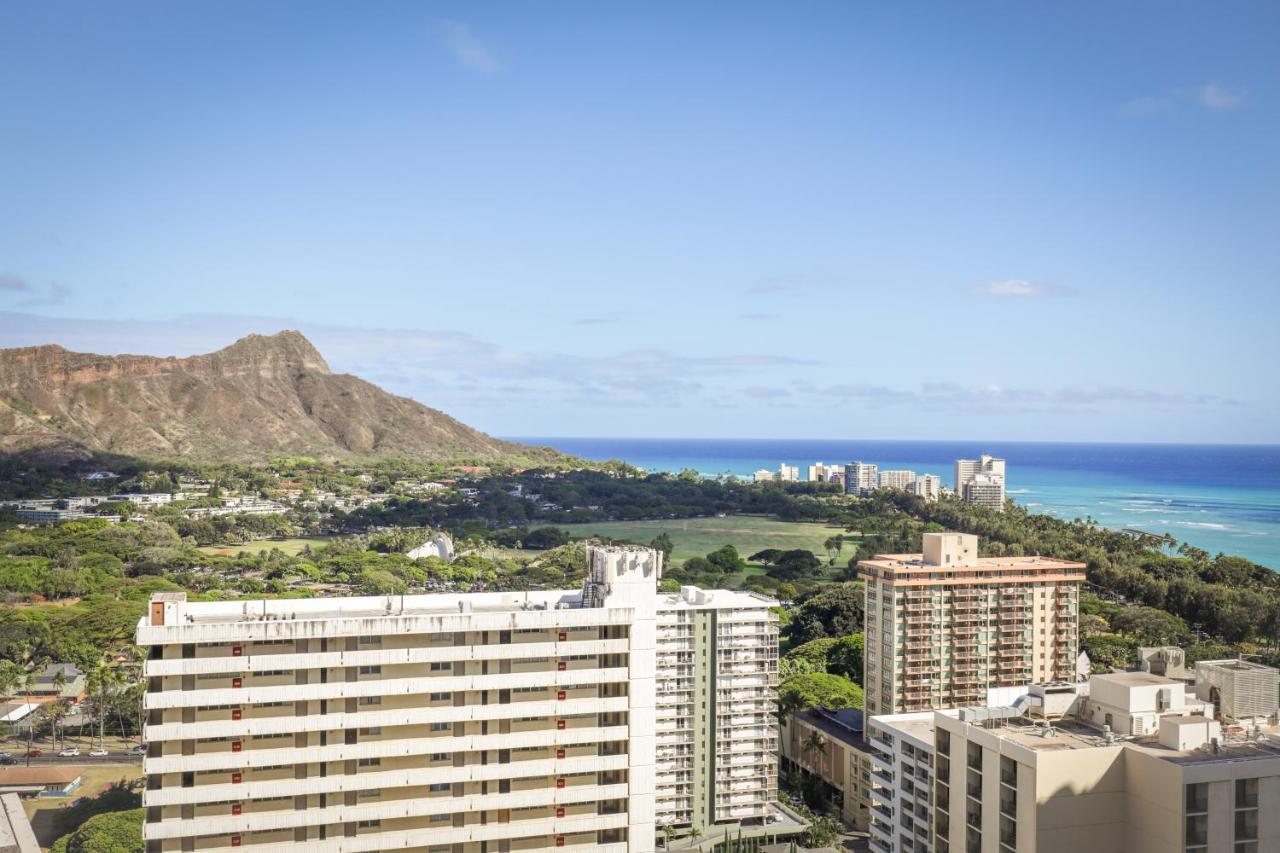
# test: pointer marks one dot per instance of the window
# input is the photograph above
(1197, 827)
(371, 670)
(371, 731)
(1197, 797)
(440, 697)
(370, 700)
(1247, 825)
(369, 824)
(437, 787)
(438, 756)
(441, 666)
(1246, 793)
(370, 762)
(439, 727)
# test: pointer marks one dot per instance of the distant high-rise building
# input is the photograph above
(945, 625)
(820, 472)
(986, 490)
(897, 479)
(764, 476)
(860, 478)
(993, 472)
(927, 486)
(788, 473)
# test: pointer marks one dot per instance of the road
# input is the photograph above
(84, 760)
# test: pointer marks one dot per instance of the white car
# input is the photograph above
(99, 753)
(70, 752)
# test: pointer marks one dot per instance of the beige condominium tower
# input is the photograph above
(944, 625)
(470, 723)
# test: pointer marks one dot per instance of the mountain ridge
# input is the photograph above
(259, 397)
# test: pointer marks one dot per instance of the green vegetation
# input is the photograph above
(109, 832)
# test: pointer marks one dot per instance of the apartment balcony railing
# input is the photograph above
(233, 725)
(290, 818)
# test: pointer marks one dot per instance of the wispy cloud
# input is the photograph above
(470, 52)
(1210, 96)
(439, 368)
(954, 397)
(462, 373)
(795, 283)
(25, 293)
(1019, 289)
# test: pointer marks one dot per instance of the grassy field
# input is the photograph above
(42, 811)
(292, 547)
(695, 537)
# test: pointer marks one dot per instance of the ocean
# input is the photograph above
(1222, 498)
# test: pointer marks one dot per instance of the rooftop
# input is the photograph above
(1071, 734)
(50, 774)
(845, 725)
(916, 562)
(1135, 679)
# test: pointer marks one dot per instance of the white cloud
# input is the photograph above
(1215, 97)
(1018, 288)
(1209, 96)
(469, 51)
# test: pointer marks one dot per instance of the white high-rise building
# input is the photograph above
(860, 478)
(897, 479)
(927, 486)
(788, 473)
(517, 721)
(820, 472)
(981, 481)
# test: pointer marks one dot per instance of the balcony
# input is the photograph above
(286, 818)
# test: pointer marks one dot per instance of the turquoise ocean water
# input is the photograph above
(1223, 498)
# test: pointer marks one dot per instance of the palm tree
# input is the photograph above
(668, 833)
(815, 742)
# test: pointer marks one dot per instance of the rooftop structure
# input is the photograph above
(1244, 690)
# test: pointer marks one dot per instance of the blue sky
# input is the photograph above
(786, 220)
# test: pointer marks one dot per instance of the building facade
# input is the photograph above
(860, 478)
(927, 486)
(1190, 783)
(945, 625)
(897, 480)
(981, 481)
(492, 722)
(717, 735)
(831, 746)
(901, 782)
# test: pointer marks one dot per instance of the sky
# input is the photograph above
(801, 220)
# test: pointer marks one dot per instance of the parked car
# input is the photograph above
(34, 753)
(70, 752)
(99, 752)
(139, 750)
(6, 760)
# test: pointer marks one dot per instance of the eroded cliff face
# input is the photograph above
(258, 398)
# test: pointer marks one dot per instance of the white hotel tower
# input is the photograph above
(470, 723)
